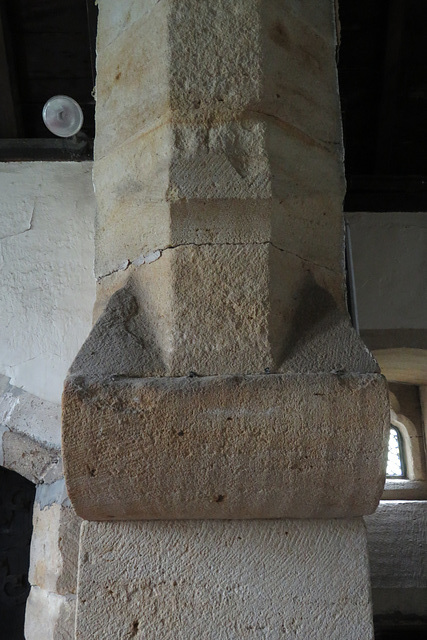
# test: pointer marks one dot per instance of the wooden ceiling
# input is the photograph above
(47, 48)
(383, 84)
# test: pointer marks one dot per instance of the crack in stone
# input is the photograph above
(123, 267)
(141, 260)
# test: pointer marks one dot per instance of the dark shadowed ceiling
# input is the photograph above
(47, 48)
(383, 85)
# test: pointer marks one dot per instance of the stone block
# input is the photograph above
(135, 64)
(31, 459)
(54, 548)
(49, 616)
(132, 216)
(271, 168)
(397, 543)
(114, 18)
(188, 580)
(267, 446)
(155, 54)
(222, 309)
(25, 413)
(210, 118)
(300, 84)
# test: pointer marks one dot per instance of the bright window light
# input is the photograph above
(395, 462)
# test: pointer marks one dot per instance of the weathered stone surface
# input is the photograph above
(54, 548)
(156, 51)
(218, 205)
(30, 458)
(188, 580)
(272, 446)
(222, 310)
(135, 65)
(49, 616)
(115, 18)
(25, 413)
(141, 184)
(211, 118)
(397, 542)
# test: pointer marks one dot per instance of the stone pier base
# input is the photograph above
(293, 579)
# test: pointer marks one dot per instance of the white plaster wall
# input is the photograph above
(390, 266)
(47, 286)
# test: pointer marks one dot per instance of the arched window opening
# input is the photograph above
(395, 458)
(16, 511)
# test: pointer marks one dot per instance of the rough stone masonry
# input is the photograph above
(222, 379)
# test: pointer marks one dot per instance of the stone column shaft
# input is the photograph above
(222, 380)
(220, 180)
(225, 356)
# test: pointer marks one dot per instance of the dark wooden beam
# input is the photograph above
(10, 121)
(386, 193)
(92, 20)
(75, 149)
(388, 110)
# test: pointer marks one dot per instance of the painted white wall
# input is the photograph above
(390, 266)
(47, 285)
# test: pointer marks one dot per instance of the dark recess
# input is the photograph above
(16, 513)
(46, 49)
(383, 86)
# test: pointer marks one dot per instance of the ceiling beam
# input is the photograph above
(92, 20)
(388, 110)
(10, 121)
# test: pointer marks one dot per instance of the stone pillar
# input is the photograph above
(222, 379)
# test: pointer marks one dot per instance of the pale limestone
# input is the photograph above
(222, 310)
(31, 459)
(227, 169)
(218, 580)
(273, 446)
(66, 622)
(132, 217)
(141, 184)
(254, 118)
(397, 542)
(54, 548)
(234, 308)
(134, 64)
(114, 18)
(25, 413)
(49, 616)
(185, 60)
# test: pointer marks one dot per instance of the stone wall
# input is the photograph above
(397, 541)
